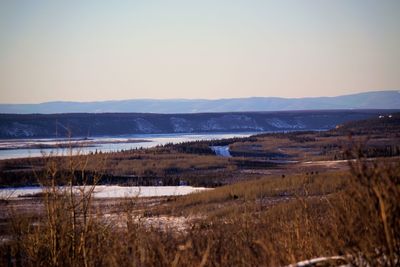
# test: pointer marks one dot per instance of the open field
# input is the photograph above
(280, 199)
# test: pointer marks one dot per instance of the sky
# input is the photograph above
(97, 50)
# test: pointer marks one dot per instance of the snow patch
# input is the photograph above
(281, 124)
(145, 126)
(231, 122)
(19, 130)
(107, 191)
(181, 125)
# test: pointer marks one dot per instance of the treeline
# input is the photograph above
(370, 152)
(384, 124)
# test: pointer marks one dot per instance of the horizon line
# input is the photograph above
(196, 99)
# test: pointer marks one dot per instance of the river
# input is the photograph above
(22, 148)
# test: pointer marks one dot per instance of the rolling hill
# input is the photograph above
(369, 100)
(106, 124)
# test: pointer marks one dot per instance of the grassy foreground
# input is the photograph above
(271, 221)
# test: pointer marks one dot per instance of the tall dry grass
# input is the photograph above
(266, 222)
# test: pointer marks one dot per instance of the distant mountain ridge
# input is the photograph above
(368, 100)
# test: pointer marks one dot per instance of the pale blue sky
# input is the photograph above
(103, 50)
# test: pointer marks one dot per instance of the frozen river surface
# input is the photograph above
(21, 148)
(222, 151)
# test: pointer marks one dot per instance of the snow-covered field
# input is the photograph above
(107, 191)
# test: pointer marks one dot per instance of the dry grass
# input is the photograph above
(271, 221)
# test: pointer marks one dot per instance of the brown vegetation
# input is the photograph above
(293, 213)
(270, 221)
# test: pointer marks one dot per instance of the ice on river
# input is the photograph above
(222, 151)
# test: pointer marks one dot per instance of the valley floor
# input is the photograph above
(279, 199)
